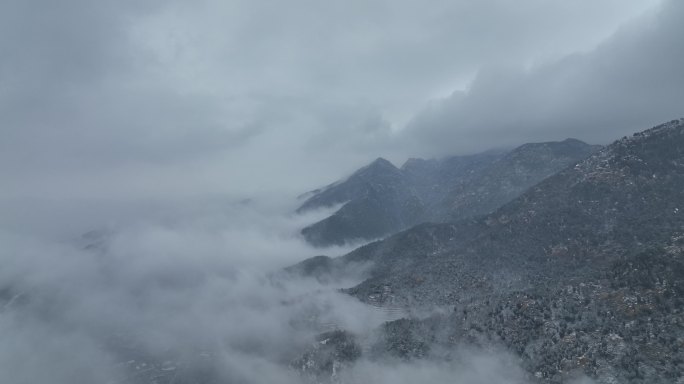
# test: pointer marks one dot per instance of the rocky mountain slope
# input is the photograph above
(381, 199)
(581, 274)
(509, 177)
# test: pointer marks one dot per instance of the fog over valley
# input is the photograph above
(187, 299)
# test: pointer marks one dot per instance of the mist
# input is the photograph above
(195, 295)
(151, 155)
(168, 291)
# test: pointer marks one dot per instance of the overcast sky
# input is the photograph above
(118, 99)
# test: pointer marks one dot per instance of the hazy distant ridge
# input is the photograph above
(381, 199)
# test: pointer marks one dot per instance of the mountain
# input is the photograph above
(379, 174)
(509, 177)
(381, 199)
(581, 274)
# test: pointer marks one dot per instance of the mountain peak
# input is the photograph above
(379, 166)
(569, 147)
(379, 172)
(572, 140)
(673, 126)
(381, 162)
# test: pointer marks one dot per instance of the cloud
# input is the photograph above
(191, 298)
(629, 82)
(192, 291)
(130, 99)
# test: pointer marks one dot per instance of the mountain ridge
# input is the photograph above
(380, 199)
(583, 274)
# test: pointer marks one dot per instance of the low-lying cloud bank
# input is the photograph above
(192, 298)
(80, 311)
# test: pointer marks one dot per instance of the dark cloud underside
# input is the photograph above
(128, 98)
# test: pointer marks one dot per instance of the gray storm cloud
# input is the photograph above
(158, 98)
(631, 80)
